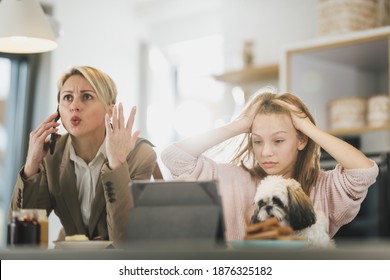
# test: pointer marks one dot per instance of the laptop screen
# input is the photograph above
(175, 212)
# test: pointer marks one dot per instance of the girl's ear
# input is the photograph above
(303, 139)
(301, 213)
(110, 110)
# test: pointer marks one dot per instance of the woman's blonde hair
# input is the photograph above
(306, 168)
(103, 85)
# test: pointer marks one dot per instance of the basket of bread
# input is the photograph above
(270, 229)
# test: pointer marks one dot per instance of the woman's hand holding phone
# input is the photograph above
(39, 144)
(53, 136)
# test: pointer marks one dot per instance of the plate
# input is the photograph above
(82, 245)
(271, 243)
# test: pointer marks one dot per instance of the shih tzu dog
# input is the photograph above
(285, 200)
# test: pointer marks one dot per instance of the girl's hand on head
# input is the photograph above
(38, 145)
(120, 139)
(247, 116)
(298, 117)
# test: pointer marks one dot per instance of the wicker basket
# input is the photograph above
(378, 110)
(342, 16)
(383, 12)
(347, 112)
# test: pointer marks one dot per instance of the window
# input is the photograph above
(5, 84)
(184, 98)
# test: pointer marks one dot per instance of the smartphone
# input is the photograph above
(53, 136)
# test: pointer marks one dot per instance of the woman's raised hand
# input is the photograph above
(38, 145)
(120, 139)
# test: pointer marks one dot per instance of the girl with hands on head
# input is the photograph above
(334, 146)
(279, 138)
(86, 180)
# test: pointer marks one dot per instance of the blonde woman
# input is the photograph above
(280, 138)
(85, 181)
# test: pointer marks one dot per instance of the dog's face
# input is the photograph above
(285, 200)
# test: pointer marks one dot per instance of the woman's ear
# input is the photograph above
(301, 212)
(110, 109)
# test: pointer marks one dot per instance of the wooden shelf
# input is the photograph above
(357, 131)
(320, 71)
(250, 74)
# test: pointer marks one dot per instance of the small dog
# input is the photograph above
(285, 200)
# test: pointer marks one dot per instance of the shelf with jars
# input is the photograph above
(341, 68)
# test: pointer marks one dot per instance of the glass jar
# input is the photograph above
(44, 227)
(248, 53)
(24, 229)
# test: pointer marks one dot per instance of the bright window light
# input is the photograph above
(157, 61)
(160, 123)
(3, 138)
(184, 98)
(192, 117)
(238, 96)
(5, 70)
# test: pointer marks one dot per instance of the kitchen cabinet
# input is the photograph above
(328, 68)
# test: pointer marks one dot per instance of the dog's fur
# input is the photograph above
(285, 200)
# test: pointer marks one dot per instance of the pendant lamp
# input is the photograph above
(24, 28)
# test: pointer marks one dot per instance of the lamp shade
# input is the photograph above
(24, 28)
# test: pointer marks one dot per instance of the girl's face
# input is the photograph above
(276, 143)
(82, 113)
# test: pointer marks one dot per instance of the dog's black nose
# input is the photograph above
(268, 208)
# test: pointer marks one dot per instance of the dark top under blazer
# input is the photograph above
(54, 188)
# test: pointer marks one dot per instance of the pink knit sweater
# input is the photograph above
(338, 193)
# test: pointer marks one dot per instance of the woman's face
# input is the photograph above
(82, 113)
(276, 144)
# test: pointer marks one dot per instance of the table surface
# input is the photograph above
(351, 250)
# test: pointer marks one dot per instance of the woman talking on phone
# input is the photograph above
(85, 180)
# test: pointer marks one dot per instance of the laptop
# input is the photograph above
(175, 213)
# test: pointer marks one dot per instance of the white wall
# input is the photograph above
(269, 24)
(98, 33)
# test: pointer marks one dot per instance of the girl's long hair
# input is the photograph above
(307, 166)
